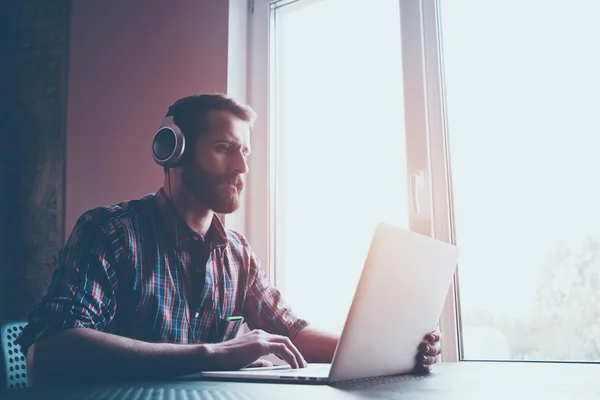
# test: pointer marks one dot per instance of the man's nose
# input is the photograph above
(241, 164)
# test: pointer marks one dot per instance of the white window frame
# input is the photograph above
(426, 137)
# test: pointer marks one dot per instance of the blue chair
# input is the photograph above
(15, 368)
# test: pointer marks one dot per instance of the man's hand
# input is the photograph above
(428, 353)
(260, 363)
(245, 350)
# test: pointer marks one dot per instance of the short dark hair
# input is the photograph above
(189, 114)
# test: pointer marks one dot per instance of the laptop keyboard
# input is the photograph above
(311, 370)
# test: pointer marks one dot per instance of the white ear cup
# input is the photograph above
(168, 145)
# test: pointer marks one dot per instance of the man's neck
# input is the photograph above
(194, 213)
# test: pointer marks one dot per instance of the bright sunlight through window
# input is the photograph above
(340, 146)
(522, 82)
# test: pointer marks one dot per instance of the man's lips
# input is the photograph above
(238, 184)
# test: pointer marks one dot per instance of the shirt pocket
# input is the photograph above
(229, 328)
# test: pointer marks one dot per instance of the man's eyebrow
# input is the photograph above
(226, 138)
(233, 141)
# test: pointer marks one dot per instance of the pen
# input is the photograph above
(234, 318)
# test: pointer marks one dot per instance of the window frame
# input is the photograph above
(428, 164)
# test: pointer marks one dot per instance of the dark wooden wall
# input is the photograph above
(34, 37)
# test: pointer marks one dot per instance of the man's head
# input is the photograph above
(217, 134)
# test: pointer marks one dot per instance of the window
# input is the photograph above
(345, 122)
(340, 146)
(489, 144)
(522, 97)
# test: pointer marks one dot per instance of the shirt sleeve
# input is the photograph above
(264, 307)
(82, 292)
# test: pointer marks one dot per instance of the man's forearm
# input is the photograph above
(87, 355)
(317, 346)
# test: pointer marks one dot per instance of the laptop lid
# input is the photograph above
(398, 300)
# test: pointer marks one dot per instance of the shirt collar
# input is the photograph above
(181, 231)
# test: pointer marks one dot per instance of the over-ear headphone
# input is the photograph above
(168, 145)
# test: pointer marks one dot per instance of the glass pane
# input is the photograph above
(340, 146)
(522, 84)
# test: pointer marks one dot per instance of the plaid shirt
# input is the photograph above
(138, 270)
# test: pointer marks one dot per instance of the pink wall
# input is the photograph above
(129, 60)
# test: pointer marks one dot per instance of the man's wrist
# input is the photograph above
(203, 356)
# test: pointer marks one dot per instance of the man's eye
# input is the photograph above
(224, 147)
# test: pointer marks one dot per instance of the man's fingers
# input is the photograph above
(422, 369)
(423, 363)
(430, 348)
(280, 346)
(299, 358)
(433, 337)
(435, 350)
(425, 359)
(285, 353)
(260, 363)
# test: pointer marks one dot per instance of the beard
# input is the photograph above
(220, 193)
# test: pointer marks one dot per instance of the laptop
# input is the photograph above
(398, 300)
